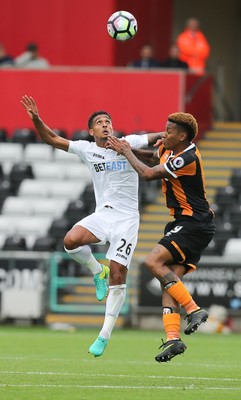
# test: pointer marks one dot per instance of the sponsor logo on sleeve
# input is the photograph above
(178, 162)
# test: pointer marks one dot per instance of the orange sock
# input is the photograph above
(181, 294)
(171, 324)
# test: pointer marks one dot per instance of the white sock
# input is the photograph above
(114, 303)
(84, 256)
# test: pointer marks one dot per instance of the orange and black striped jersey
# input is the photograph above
(184, 190)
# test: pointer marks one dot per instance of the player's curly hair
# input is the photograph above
(187, 122)
(95, 114)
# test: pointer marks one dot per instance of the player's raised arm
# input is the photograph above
(146, 172)
(43, 130)
(149, 157)
(155, 138)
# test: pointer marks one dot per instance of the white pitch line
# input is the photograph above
(49, 373)
(114, 361)
(191, 387)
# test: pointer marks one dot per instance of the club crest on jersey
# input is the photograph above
(178, 162)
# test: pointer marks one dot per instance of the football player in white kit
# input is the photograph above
(116, 217)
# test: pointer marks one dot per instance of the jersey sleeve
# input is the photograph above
(137, 141)
(78, 147)
(183, 164)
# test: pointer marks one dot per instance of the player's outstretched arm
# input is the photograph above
(149, 157)
(146, 172)
(43, 130)
(155, 138)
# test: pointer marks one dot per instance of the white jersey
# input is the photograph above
(115, 181)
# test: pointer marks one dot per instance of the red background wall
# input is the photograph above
(67, 98)
(73, 32)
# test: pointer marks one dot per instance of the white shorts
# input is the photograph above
(117, 228)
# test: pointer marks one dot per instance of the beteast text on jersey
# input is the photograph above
(111, 166)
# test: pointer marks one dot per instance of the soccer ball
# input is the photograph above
(122, 25)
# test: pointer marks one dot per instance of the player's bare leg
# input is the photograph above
(76, 243)
(114, 303)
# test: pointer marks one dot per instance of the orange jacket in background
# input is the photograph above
(193, 49)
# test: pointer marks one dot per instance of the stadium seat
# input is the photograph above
(226, 195)
(24, 136)
(7, 227)
(14, 205)
(78, 172)
(6, 189)
(58, 170)
(233, 247)
(11, 152)
(119, 134)
(2, 239)
(213, 249)
(66, 189)
(37, 225)
(82, 134)
(236, 179)
(6, 224)
(64, 156)
(60, 132)
(15, 242)
(75, 211)
(52, 207)
(48, 170)
(147, 191)
(88, 197)
(33, 188)
(3, 135)
(19, 206)
(234, 214)
(1, 172)
(47, 243)
(59, 227)
(38, 152)
(51, 188)
(32, 227)
(224, 232)
(19, 172)
(219, 211)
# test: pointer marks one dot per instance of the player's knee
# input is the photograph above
(150, 263)
(70, 242)
(117, 278)
(154, 266)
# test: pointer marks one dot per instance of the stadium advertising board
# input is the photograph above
(216, 281)
(23, 286)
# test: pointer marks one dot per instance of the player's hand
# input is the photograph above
(121, 146)
(158, 143)
(30, 106)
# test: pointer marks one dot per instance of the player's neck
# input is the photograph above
(181, 148)
(100, 142)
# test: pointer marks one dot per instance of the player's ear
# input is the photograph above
(184, 136)
(91, 132)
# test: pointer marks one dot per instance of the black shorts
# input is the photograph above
(186, 238)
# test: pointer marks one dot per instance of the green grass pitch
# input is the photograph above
(39, 364)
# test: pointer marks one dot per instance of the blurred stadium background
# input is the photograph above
(43, 192)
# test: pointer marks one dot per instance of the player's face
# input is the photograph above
(172, 137)
(102, 127)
